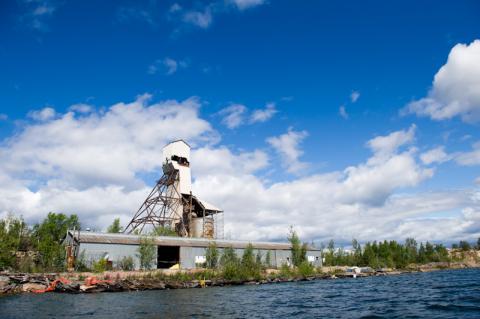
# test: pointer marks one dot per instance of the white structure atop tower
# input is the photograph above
(178, 153)
(171, 203)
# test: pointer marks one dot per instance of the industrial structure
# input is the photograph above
(171, 203)
(172, 206)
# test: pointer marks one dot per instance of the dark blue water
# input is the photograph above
(442, 294)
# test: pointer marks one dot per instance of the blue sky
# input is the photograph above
(335, 74)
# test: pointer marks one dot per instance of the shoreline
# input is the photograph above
(122, 281)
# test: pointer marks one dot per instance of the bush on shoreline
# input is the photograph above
(40, 249)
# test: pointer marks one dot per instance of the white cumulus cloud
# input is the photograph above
(246, 4)
(288, 146)
(233, 115)
(343, 112)
(354, 96)
(44, 114)
(456, 87)
(92, 164)
(201, 19)
(263, 115)
(385, 145)
(435, 155)
(469, 158)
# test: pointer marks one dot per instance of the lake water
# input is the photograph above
(441, 294)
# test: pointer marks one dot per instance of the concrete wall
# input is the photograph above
(277, 257)
(116, 252)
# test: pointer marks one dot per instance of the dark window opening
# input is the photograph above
(180, 160)
(167, 256)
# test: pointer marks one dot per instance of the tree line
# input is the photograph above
(391, 254)
(39, 248)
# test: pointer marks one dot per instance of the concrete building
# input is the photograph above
(189, 253)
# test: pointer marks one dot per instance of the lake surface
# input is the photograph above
(441, 294)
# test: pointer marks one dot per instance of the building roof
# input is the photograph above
(124, 239)
(179, 140)
(207, 205)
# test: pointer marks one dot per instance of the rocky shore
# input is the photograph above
(14, 283)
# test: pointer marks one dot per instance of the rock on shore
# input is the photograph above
(136, 281)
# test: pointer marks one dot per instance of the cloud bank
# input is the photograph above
(95, 163)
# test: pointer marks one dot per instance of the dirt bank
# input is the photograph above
(13, 283)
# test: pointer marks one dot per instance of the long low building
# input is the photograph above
(189, 253)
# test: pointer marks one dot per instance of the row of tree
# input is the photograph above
(385, 254)
(39, 248)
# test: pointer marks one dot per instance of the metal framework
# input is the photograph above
(162, 206)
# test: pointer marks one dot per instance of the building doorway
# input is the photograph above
(167, 256)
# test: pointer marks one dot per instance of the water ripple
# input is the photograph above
(442, 294)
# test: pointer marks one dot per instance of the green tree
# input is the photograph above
(258, 258)
(464, 245)
(357, 252)
(478, 244)
(230, 264)
(146, 252)
(48, 237)
(297, 249)
(211, 255)
(12, 233)
(249, 267)
(268, 259)
(164, 231)
(330, 255)
(441, 252)
(115, 227)
(411, 250)
(422, 256)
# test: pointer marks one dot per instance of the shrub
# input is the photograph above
(250, 268)
(81, 263)
(126, 263)
(285, 271)
(146, 253)
(305, 269)
(164, 231)
(211, 255)
(100, 265)
(230, 264)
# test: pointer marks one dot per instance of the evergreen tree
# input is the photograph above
(422, 256)
(115, 227)
(464, 245)
(211, 255)
(357, 252)
(330, 255)
(230, 264)
(298, 250)
(411, 250)
(268, 257)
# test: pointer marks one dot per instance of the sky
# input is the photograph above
(345, 119)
